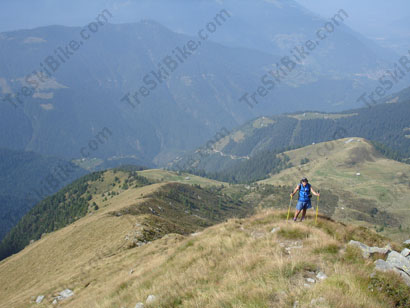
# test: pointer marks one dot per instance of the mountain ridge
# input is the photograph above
(385, 123)
(248, 248)
(153, 131)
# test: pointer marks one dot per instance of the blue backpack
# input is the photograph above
(304, 192)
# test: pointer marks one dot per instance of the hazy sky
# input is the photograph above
(370, 17)
(23, 14)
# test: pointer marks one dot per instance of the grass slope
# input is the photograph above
(378, 196)
(128, 215)
(238, 263)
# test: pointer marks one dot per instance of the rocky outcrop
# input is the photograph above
(275, 229)
(150, 300)
(406, 253)
(63, 295)
(368, 251)
(396, 262)
(39, 299)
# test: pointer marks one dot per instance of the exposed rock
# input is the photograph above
(296, 304)
(39, 299)
(274, 230)
(291, 244)
(64, 294)
(321, 276)
(382, 265)
(55, 301)
(310, 280)
(289, 249)
(405, 252)
(150, 299)
(406, 242)
(399, 261)
(368, 251)
(139, 243)
(139, 305)
(395, 262)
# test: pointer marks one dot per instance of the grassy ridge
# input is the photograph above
(241, 264)
(63, 208)
(238, 263)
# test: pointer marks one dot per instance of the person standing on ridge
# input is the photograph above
(305, 193)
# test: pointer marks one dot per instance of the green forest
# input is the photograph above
(257, 168)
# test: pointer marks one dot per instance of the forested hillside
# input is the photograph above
(249, 170)
(386, 124)
(27, 178)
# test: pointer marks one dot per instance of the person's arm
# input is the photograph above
(295, 191)
(313, 192)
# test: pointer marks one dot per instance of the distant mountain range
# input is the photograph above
(274, 27)
(82, 112)
(87, 94)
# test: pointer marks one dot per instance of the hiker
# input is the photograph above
(305, 193)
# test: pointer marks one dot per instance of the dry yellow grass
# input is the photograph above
(53, 261)
(239, 263)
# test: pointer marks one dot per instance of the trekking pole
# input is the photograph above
(317, 207)
(290, 204)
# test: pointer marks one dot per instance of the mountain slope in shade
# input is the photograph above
(25, 179)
